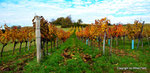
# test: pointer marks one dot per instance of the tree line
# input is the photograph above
(65, 22)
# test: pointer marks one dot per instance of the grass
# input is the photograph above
(74, 56)
(65, 29)
(16, 62)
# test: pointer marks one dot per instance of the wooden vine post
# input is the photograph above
(104, 43)
(28, 43)
(110, 45)
(140, 35)
(38, 38)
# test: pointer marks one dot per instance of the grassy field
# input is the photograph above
(75, 56)
(15, 63)
(65, 29)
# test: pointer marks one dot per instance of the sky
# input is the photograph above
(21, 12)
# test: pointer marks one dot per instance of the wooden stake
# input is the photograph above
(139, 38)
(104, 43)
(38, 39)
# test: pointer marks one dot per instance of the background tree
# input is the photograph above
(68, 20)
(79, 22)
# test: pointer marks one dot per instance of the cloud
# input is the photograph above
(125, 11)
